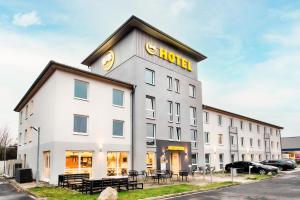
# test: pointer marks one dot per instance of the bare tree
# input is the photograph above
(5, 140)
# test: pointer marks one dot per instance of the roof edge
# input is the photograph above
(240, 116)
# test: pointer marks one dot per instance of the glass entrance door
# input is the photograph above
(175, 162)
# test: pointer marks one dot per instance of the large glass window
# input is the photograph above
(118, 126)
(170, 111)
(81, 89)
(177, 86)
(150, 161)
(150, 107)
(118, 97)
(78, 162)
(170, 85)
(80, 123)
(193, 120)
(194, 139)
(117, 163)
(192, 91)
(150, 76)
(178, 134)
(177, 114)
(151, 129)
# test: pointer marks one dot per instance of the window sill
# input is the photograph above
(170, 121)
(81, 99)
(119, 137)
(192, 97)
(193, 125)
(78, 133)
(150, 118)
(118, 106)
(150, 84)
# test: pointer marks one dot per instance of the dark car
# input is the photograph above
(243, 167)
(281, 164)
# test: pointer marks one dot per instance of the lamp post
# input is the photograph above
(38, 154)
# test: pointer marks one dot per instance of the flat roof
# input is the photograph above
(206, 107)
(136, 23)
(50, 68)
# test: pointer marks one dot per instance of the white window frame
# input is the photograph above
(206, 117)
(222, 139)
(153, 76)
(87, 125)
(171, 133)
(177, 113)
(194, 137)
(221, 164)
(176, 136)
(154, 134)
(192, 91)
(151, 111)
(208, 137)
(122, 106)
(193, 116)
(177, 85)
(123, 125)
(170, 111)
(170, 83)
(87, 90)
(220, 120)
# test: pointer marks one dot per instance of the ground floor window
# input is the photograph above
(194, 161)
(207, 158)
(232, 157)
(243, 157)
(252, 157)
(150, 161)
(259, 157)
(117, 163)
(221, 160)
(79, 162)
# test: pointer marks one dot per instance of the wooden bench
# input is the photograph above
(72, 180)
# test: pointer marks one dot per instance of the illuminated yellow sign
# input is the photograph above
(169, 56)
(108, 60)
(175, 148)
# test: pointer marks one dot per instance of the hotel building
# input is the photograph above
(139, 106)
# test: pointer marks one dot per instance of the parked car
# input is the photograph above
(281, 164)
(243, 167)
(293, 161)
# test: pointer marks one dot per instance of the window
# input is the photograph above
(118, 97)
(193, 120)
(31, 108)
(242, 141)
(78, 162)
(251, 142)
(178, 134)
(170, 111)
(150, 160)
(117, 163)
(265, 130)
(177, 114)
(151, 131)
(177, 86)
(220, 139)
(207, 139)
(241, 125)
(232, 157)
(150, 77)
(26, 112)
(20, 139)
(258, 128)
(207, 158)
(272, 144)
(258, 143)
(194, 161)
(118, 126)
(232, 140)
(150, 107)
(231, 122)
(220, 120)
(171, 133)
(277, 145)
(250, 127)
(194, 138)
(81, 89)
(20, 117)
(192, 91)
(252, 157)
(243, 157)
(80, 124)
(206, 117)
(170, 85)
(259, 157)
(271, 131)
(221, 160)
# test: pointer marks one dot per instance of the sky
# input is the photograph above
(252, 48)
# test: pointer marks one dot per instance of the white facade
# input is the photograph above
(238, 138)
(53, 107)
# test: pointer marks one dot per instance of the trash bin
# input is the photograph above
(23, 175)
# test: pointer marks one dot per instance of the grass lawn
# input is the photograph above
(258, 177)
(55, 193)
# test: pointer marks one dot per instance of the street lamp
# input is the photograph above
(38, 154)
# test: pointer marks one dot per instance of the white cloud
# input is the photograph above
(291, 38)
(178, 6)
(26, 19)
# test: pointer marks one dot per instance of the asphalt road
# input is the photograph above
(280, 188)
(8, 192)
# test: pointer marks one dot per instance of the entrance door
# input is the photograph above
(46, 167)
(175, 162)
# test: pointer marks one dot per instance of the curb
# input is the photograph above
(189, 192)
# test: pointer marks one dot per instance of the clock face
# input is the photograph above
(108, 60)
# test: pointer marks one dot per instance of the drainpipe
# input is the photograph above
(132, 124)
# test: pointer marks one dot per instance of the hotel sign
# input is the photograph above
(169, 56)
(175, 148)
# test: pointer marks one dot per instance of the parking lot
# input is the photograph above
(8, 192)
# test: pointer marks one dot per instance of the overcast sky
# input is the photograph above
(253, 48)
